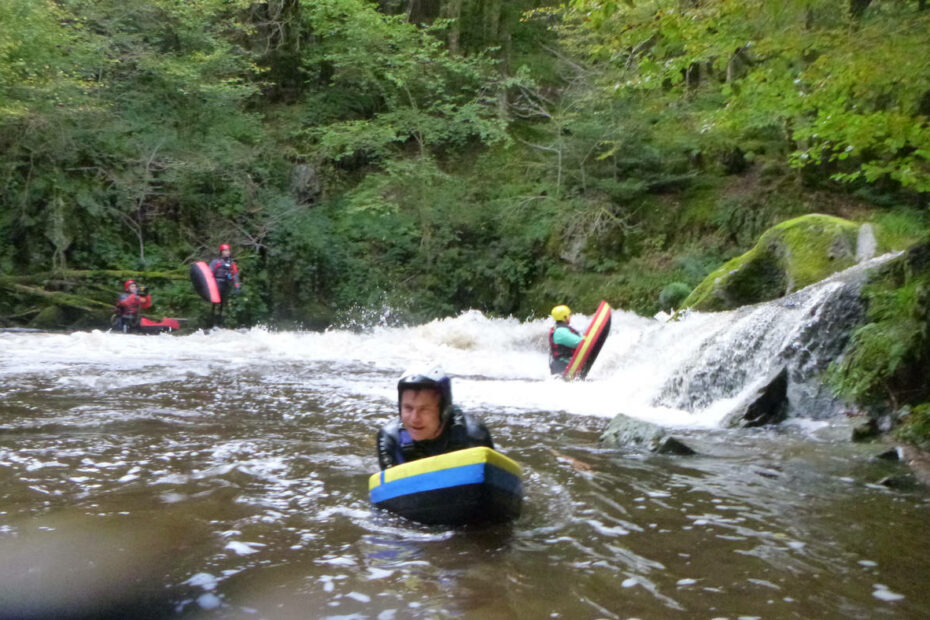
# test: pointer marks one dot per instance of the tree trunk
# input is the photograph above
(56, 233)
(61, 299)
(452, 9)
(423, 11)
(492, 19)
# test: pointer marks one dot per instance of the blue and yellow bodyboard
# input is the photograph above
(466, 486)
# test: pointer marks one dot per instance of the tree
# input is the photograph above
(844, 93)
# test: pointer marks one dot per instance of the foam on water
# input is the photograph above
(497, 363)
(690, 372)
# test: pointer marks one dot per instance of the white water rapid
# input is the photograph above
(690, 372)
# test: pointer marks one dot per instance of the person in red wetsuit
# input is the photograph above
(226, 273)
(130, 305)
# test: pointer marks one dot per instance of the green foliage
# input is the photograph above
(900, 228)
(672, 295)
(886, 361)
(840, 92)
(916, 427)
(153, 107)
(463, 155)
(398, 83)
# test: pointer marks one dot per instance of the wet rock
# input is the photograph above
(819, 342)
(305, 184)
(893, 454)
(919, 462)
(899, 482)
(865, 431)
(769, 405)
(626, 431)
(670, 445)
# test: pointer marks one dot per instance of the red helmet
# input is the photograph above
(225, 246)
(127, 284)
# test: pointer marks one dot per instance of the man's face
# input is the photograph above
(419, 411)
(133, 288)
(225, 253)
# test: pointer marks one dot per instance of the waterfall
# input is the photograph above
(803, 332)
(866, 244)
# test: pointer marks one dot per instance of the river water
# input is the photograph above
(225, 475)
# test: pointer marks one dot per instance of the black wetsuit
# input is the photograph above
(226, 273)
(396, 446)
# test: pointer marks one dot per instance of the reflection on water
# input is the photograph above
(196, 483)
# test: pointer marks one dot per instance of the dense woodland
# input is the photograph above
(430, 156)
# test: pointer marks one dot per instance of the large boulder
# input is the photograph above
(626, 432)
(788, 257)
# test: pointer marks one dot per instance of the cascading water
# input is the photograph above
(803, 332)
(689, 372)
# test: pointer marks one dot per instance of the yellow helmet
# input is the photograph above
(561, 313)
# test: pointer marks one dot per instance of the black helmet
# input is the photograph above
(432, 377)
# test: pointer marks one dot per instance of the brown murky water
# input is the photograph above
(205, 489)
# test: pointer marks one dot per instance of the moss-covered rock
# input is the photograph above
(886, 364)
(916, 427)
(788, 257)
(50, 317)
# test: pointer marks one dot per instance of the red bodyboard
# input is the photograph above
(587, 350)
(204, 282)
(148, 326)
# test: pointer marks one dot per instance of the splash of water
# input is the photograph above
(688, 372)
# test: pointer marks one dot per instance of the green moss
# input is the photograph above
(898, 229)
(51, 317)
(635, 287)
(787, 257)
(886, 362)
(672, 295)
(916, 427)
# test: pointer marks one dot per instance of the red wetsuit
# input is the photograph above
(128, 307)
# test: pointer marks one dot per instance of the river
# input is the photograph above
(225, 475)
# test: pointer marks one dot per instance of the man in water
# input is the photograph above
(429, 424)
(563, 340)
(130, 305)
(226, 273)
